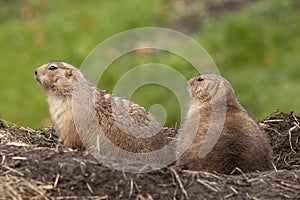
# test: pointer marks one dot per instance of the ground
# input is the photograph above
(32, 165)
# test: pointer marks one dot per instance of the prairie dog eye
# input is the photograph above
(52, 68)
(199, 79)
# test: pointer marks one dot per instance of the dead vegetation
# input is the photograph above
(33, 166)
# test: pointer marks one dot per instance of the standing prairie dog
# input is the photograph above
(62, 80)
(218, 135)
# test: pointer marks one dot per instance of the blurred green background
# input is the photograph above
(256, 45)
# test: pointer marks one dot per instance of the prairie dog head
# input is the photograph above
(57, 77)
(205, 87)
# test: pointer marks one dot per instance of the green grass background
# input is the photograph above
(256, 47)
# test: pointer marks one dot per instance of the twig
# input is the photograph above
(90, 188)
(19, 158)
(295, 187)
(273, 120)
(208, 174)
(229, 196)
(285, 187)
(286, 162)
(290, 138)
(251, 197)
(131, 187)
(56, 180)
(180, 183)
(207, 185)
(296, 122)
(233, 189)
(232, 194)
(141, 197)
(3, 160)
(124, 175)
(13, 170)
(239, 170)
(149, 197)
(274, 166)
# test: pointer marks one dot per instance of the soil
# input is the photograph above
(34, 165)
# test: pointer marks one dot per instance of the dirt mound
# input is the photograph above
(32, 165)
(283, 130)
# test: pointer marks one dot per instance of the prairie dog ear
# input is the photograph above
(69, 73)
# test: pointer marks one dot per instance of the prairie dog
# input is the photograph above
(218, 135)
(61, 80)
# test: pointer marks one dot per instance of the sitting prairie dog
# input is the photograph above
(218, 135)
(61, 80)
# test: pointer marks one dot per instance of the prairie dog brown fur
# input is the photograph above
(218, 135)
(61, 80)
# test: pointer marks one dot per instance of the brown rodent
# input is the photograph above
(61, 80)
(218, 135)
